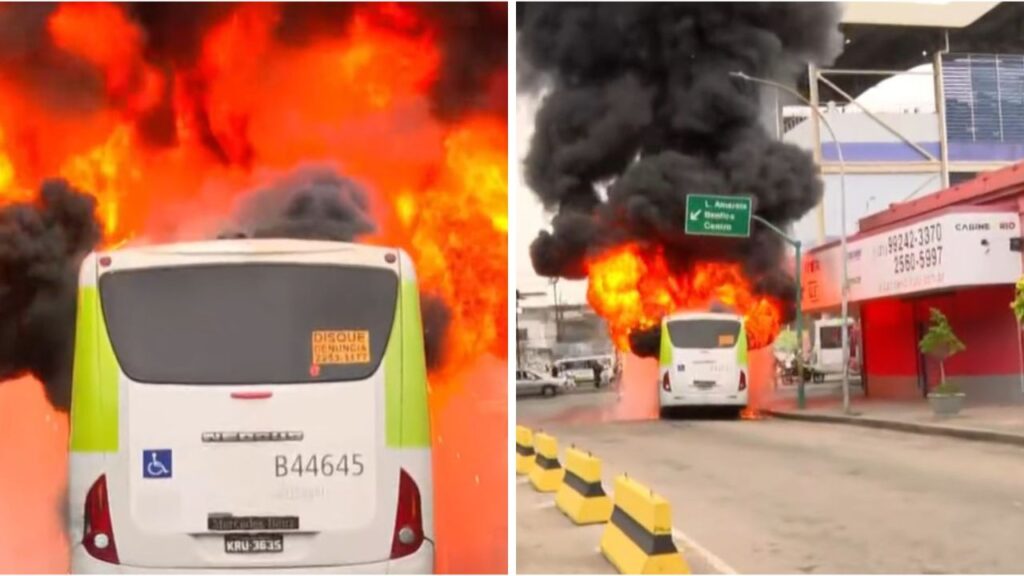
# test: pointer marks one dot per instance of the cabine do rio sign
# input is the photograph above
(953, 250)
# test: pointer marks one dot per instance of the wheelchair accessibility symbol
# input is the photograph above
(156, 464)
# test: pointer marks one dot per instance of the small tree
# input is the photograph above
(786, 342)
(1018, 312)
(1018, 302)
(940, 343)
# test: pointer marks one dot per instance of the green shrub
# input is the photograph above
(941, 342)
(1018, 301)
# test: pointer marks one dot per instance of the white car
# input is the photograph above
(529, 382)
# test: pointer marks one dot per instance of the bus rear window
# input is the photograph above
(249, 323)
(704, 333)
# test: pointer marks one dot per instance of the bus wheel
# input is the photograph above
(665, 412)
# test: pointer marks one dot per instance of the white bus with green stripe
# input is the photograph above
(250, 405)
(703, 361)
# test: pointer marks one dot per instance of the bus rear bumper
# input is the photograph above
(669, 400)
(419, 562)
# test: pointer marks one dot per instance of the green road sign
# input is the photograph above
(708, 215)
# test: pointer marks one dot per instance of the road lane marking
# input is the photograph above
(717, 563)
(546, 505)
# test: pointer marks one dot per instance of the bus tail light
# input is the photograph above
(98, 536)
(666, 383)
(743, 380)
(408, 534)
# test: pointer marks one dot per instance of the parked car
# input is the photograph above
(530, 383)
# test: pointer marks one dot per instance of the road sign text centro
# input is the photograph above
(711, 215)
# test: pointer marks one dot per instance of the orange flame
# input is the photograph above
(632, 288)
(251, 109)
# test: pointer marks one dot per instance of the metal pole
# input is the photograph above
(558, 319)
(801, 397)
(846, 281)
(940, 111)
(842, 214)
(812, 81)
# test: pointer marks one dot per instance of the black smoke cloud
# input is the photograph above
(41, 247)
(638, 101)
(472, 39)
(311, 203)
(316, 203)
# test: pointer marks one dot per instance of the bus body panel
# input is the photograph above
(161, 522)
(419, 562)
(703, 374)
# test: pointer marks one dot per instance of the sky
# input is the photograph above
(891, 95)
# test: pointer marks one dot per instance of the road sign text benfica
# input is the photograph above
(708, 215)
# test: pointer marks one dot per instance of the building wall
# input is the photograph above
(864, 140)
(866, 194)
(988, 370)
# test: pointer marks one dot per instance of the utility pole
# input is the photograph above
(558, 311)
(521, 342)
(801, 396)
(844, 284)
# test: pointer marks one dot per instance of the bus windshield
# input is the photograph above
(704, 333)
(249, 323)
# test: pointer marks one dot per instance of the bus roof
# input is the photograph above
(247, 246)
(702, 316)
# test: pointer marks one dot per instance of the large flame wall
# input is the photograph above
(633, 287)
(248, 109)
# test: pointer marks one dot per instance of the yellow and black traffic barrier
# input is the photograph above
(524, 450)
(638, 538)
(546, 474)
(581, 496)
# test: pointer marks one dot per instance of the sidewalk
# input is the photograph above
(990, 423)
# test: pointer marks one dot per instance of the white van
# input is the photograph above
(581, 369)
(827, 353)
(250, 405)
(703, 361)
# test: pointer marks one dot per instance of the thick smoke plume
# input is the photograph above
(165, 40)
(319, 204)
(41, 247)
(311, 203)
(638, 101)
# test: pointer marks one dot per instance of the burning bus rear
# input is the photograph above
(250, 404)
(703, 361)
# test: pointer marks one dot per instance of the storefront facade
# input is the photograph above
(957, 250)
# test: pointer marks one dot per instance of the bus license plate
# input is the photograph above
(253, 543)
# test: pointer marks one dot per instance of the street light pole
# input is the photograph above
(801, 396)
(842, 215)
(558, 315)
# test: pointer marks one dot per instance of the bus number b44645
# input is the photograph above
(316, 465)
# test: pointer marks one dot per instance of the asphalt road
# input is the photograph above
(770, 496)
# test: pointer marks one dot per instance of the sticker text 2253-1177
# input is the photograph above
(316, 465)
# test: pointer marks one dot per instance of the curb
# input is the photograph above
(974, 434)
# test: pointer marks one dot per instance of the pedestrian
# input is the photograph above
(598, 369)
